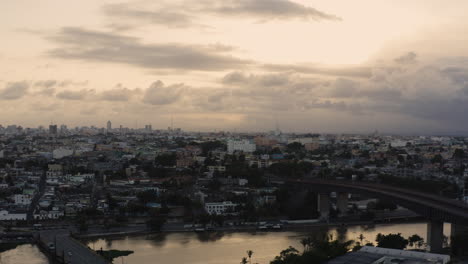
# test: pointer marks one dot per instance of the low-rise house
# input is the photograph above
(220, 208)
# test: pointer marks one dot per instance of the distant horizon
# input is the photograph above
(162, 129)
(312, 65)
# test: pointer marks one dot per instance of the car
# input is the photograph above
(51, 246)
(277, 226)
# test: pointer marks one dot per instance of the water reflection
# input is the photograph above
(158, 240)
(29, 254)
(217, 247)
(210, 236)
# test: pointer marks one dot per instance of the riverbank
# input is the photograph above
(251, 228)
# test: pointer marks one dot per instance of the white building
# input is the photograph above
(55, 213)
(5, 215)
(22, 199)
(243, 145)
(220, 208)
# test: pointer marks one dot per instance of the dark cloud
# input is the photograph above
(74, 95)
(14, 90)
(81, 44)
(159, 94)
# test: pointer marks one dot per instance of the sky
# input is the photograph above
(325, 66)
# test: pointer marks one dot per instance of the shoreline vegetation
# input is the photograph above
(249, 229)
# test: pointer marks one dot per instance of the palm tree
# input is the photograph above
(305, 243)
(361, 237)
(244, 260)
(249, 254)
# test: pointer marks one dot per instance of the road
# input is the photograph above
(69, 249)
(35, 200)
(428, 205)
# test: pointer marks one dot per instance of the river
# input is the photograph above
(229, 248)
(28, 254)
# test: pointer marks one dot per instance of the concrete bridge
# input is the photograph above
(67, 249)
(435, 209)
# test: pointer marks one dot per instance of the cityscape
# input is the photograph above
(95, 182)
(233, 131)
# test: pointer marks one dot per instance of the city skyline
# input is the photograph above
(322, 66)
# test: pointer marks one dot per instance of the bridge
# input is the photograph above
(66, 249)
(435, 208)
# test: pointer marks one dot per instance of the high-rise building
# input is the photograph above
(53, 129)
(109, 125)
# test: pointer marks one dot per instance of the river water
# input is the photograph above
(229, 248)
(24, 254)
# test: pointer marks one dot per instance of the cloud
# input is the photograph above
(159, 16)
(181, 15)
(90, 111)
(14, 90)
(270, 84)
(81, 44)
(46, 91)
(45, 107)
(118, 94)
(408, 58)
(74, 95)
(63, 83)
(352, 72)
(159, 94)
(46, 83)
(266, 10)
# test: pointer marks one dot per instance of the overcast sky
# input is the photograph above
(314, 65)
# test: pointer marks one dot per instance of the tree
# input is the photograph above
(357, 247)
(295, 147)
(155, 223)
(415, 241)
(147, 196)
(320, 249)
(82, 224)
(249, 254)
(244, 260)
(459, 154)
(361, 237)
(289, 255)
(395, 241)
(167, 160)
(305, 243)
